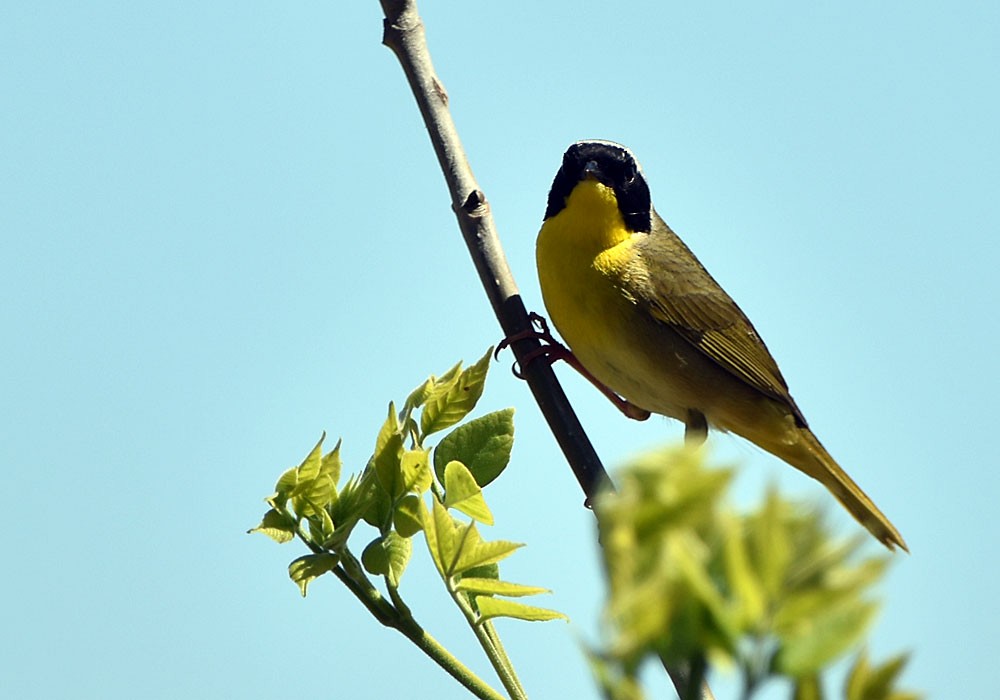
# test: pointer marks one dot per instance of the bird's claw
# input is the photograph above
(550, 348)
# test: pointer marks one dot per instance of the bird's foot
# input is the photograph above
(551, 350)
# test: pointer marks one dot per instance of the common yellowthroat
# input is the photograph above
(645, 320)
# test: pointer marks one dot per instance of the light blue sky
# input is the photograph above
(223, 231)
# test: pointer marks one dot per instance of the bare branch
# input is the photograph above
(404, 34)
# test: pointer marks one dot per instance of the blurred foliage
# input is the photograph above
(771, 592)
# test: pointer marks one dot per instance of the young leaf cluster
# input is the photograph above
(771, 592)
(391, 495)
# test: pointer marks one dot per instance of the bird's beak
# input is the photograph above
(592, 171)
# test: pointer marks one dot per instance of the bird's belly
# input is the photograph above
(640, 358)
(625, 349)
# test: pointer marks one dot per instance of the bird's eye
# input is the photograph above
(629, 175)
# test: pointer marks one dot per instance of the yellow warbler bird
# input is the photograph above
(647, 322)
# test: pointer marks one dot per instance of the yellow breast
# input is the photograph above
(590, 270)
(583, 255)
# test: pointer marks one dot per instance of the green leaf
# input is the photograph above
(813, 644)
(817, 554)
(772, 549)
(799, 607)
(463, 493)
(490, 571)
(374, 557)
(406, 517)
(418, 396)
(399, 548)
(310, 467)
(712, 622)
(337, 541)
(865, 682)
(456, 547)
(483, 445)
(416, 471)
(613, 680)
(388, 456)
(283, 489)
(882, 679)
(454, 395)
(321, 527)
(445, 379)
(331, 464)
(854, 685)
(310, 487)
(435, 399)
(742, 580)
(304, 569)
(387, 556)
(389, 428)
(855, 579)
(352, 500)
(490, 586)
(808, 688)
(278, 526)
(473, 551)
(837, 583)
(375, 501)
(490, 608)
(441, 532)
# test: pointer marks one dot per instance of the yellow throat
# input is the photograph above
(589, 224)
(582, 255)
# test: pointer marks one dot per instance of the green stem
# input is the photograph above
(389, 616)
(498, 645)
(369, 597)
(449, 663)
(397, 602)
(491, 646)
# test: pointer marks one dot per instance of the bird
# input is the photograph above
(648, 325)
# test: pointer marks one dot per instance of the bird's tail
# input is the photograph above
(808, 455)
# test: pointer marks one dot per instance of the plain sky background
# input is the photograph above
(223, 231)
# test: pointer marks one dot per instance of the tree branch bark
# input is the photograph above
(404, 35)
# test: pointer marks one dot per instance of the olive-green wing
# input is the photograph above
(680, 293)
